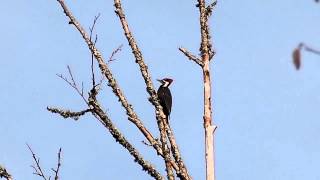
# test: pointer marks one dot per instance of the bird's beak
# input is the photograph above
(159, 80)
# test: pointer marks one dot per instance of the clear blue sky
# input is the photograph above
(267, 113)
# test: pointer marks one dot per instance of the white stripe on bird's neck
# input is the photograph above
(166, 84)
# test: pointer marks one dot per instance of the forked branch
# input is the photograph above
(68, 113)
(37, 169)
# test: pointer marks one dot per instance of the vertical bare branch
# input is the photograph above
(94, 43)
(4, 173)
(207, 54)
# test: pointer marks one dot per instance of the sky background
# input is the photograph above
(267, 113)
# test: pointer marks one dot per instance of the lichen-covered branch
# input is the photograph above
(176, 154)
(68, 113)
(112, 82)
(205, 46)
(161, 118)
(4, 173)
(105, 120)
(166, 152)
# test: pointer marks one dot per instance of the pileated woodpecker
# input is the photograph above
(164, 95)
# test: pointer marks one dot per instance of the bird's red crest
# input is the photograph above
(168, 80)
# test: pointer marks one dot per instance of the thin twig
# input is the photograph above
(37, 169)
(56, 171)
(73, 84)
(92, 62)
(95, 42)
(146, 143)
(111, 58)
(308, 48)
(210, 8)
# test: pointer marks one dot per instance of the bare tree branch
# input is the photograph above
(112, 82)
(175, 152)
(97, 112)
(95, 42)
(191, 56)
(37, 168)
(111, 58)
(105, 120)
(4, 173)
(73, 84)
(56, 171)
(207, 54)
(210, 8)
(308, 48)
(161, 118)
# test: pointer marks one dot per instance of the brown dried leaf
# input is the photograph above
(296, 55)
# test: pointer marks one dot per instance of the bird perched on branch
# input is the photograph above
(164, 95)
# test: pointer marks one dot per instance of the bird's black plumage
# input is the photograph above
(165, 98)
